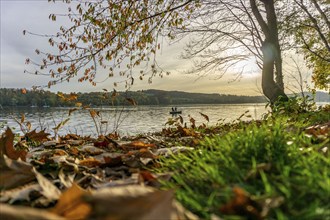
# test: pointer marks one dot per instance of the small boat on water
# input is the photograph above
(175, 111)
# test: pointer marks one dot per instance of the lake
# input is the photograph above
(126, 120)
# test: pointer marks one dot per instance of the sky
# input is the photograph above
(19, 15)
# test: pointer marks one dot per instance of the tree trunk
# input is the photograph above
(271, 51)
(269, 87)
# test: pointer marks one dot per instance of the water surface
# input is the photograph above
(126, 120)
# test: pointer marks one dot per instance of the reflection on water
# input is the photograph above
(128, 120)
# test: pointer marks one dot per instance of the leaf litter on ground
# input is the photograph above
(74, 177)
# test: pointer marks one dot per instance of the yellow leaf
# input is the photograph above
(28, 125)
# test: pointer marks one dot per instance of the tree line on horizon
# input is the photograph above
(15, 97)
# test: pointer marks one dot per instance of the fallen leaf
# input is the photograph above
(137, 145)
(71, 206)
(7, 146)
(37, 136)
(66, 180)
(135, 202)
(242, 205)
(25, 213)
(90, 162)
(14, 173)
(19, 193)
(319, 131)
(172, 150)
(112, 159)
(91, 150)
(148, 178)
(49, 190)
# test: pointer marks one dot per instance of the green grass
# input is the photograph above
(269, 160)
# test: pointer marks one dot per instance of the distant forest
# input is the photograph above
(17, 97)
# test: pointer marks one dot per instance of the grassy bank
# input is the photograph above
(277, 168)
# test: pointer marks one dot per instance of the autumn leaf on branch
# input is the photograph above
(131, 101)
(205, 116)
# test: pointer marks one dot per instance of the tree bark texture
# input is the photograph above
(272, 60)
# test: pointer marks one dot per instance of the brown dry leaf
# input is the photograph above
(149, 178)
(181, 119)
(14, 173)
(320, 131)
(49, 190)
(25, 213)
(22, 118)
(131, 101)
(37, 136)
(192, 121)
(112, 159)
(72, 110)
(74, 151)
(94, 113)
(66, 179)
(75, 142)
(132, 202)
(71, 206)
(71, 136)
(23, 91)
(142, 153)
(91, 150)
(72, 97)
(185, 132)
(242, 205)
(7, 146)
(28, 125)
(21, 194)
(137, 145)
(205, 116)
(59, 152)
(90, 162)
